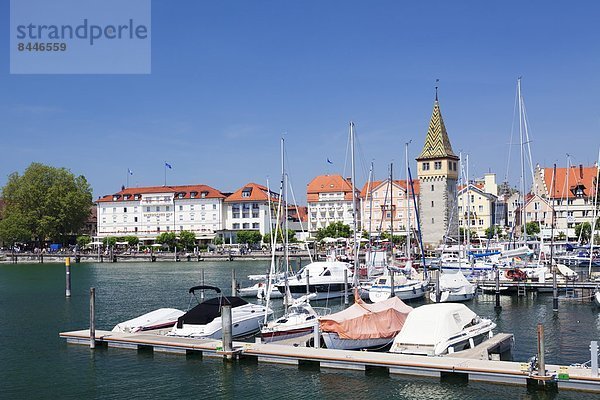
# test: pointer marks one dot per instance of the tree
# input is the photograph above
(398, 240)
(249, 237)
(83, 241)
(561, 235)
(532, 228)
(13, 229)
(334, 230)
(218, 240)
(492, 231)
(132, 241)
(291, 236)
(168, 239)
(109, 241)
(462, 232)
(187, 240)
(50, 203)
(583, 231)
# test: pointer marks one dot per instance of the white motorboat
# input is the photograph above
(364, 326)
(597, 298)
(404, 288)
(454, 287)
(437, 329)
(326, 279)
(157, 319)
(204, 320)
(299, 320)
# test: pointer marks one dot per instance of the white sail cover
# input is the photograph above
(453, 280)
(368, 321)
(432, 323)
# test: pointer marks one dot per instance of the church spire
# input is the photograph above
(437, 143)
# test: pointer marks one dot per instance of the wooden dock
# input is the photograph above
(467, 367)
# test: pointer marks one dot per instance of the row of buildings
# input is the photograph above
(444, 206)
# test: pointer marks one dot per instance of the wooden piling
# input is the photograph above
(68, 276)
(392, 289)
(233, 283)
(307, 283)
(498, 307)
(227, 328)
(541, 350)
(346, 286)
(92, 318)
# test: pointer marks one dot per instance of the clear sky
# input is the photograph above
(230, 77)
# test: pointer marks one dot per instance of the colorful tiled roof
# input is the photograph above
(437, 143)
(579, 177)
(377, 184)
(252, 192)
(328, 184)
(180, 192)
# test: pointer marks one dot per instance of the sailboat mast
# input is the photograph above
(355, 229)
(468, 246)
(408, 252)
(595, 213)
(521, 122)
(392, 206)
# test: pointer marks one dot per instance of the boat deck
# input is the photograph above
(471, 368)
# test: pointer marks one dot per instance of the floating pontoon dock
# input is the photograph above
(468, 366)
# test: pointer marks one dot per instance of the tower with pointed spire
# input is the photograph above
(437, 169)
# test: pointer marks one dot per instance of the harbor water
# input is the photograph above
(36, 363)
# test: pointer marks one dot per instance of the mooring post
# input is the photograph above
(41, 258)
(498, 307)
(594, 354)
(227, 328)
(307, 283)
(541, 350)
(317, 334)
(392, 290)
(68, 276)
(554, 287)
(92, 318)
(202, 277)
(233, 283)
(438, 293)
(346, 287)
(175, 253)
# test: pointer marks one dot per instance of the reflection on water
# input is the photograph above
(35, 310)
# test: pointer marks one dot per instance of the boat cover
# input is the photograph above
(368, 321)
(208, 310)
(453, 280)
(433, 323)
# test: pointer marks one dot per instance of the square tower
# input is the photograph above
(437, 169)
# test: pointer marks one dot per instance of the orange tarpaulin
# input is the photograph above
(368, 321)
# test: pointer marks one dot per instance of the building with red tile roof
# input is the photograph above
(329, 200)
(251, 207)
(384, 208)
(146, 212)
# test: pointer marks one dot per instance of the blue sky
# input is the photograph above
(229, 78)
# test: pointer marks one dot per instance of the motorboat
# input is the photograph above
(364, 326)
(453, 287)
(204, 320)
(299, 320)
(597, 298)
(406, 288)
(444, 328)
(157, 319)
(326, 279)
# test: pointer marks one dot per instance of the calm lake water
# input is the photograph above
(36, 363)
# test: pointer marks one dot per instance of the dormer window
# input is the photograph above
(126, 197)
(203, 194)
(136, 196)
(180, 195)
(116, 197)
(246, 192)
(578, 191)
(193, 195)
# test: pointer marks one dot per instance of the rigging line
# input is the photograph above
(511, 138)
(527, 126)
(298, 214)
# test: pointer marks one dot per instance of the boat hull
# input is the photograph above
(334, 341)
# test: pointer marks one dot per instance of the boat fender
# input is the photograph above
(414, 290)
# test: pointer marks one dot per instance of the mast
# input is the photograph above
(468, 244)
(392, 208)
(595, 213)
(566, 193)
(355, 252)
(408, 252)
(521, 122)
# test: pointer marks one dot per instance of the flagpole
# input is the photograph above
(127, 180)
(165, 166)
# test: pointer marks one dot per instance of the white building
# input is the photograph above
(329, 200)
(146, 212)
(249, 208)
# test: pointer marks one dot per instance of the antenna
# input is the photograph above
(437, 81)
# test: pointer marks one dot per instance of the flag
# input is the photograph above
(130, 172)
(329, 161)
(168, 165)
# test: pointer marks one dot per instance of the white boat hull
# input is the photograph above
(405, 292)
(157, 319)
(450, 297)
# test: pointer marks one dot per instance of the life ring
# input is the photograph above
(515, 274)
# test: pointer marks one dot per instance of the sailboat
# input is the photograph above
(453, 287)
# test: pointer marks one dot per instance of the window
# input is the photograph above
(472, 199)
(480, 222)
(135, 229)
(180, 217)
(246, 192)
(246, 225)
(124, 209)
(114, 209)
(180, 195)
(255, 225)
(459, 209)
(480, 208)
(432, 188)
(255, 214)
(193, 195)
(147, 209)
(136, 197)
(167, 228)
(425, 166)
(236, 226)
(432, 203)
(124, 218)
(157, 208)
(135, 219)
(202, 207)
(454, 165)
(437, 165)
(192, 217)
(191, 207)
(432, 221)
(180, 227)
(236, 214)
(158, 229)
(180, 208)
(168, 208)
(214, 206)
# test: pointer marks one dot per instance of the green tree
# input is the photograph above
(334, 230)
(462, 232)
(561, 235)
(50, 203)
(492, 231)
(584, 231)
(83, 241)
(398, 240)
(168, 239)
(132, 241)
(532, 228)
(187, 240)
(248, 237)
(218, 241)
(13, 229)
(109, 241)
